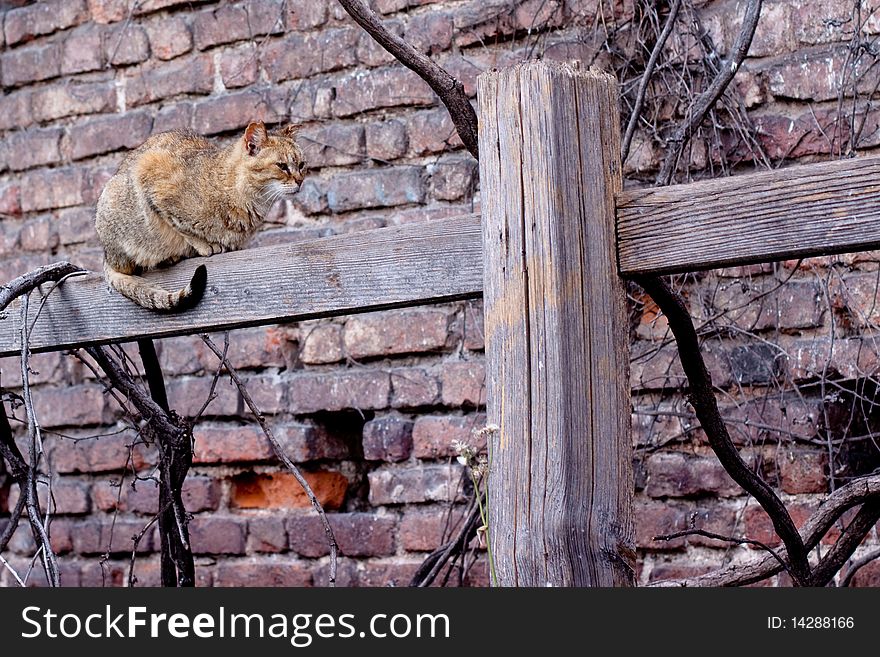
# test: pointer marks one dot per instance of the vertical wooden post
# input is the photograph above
(560, 482)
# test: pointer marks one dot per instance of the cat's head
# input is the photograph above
(274, 161)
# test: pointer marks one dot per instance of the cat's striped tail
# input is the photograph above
(154, 297)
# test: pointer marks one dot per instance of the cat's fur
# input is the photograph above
(178, 195)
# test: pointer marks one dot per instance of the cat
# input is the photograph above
(179, 195)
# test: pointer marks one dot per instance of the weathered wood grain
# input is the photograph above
(371, 270)
(807, 210)
(560, 482)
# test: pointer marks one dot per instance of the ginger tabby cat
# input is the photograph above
(178, 195)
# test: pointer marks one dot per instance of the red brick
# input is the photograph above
(321, 343)
(147, 6)
(238, 66)
(376, 188)
(410, 331)
(302, 442)
(388, 87)
(234, 111)
(371, 573)
(424, 530)
(113, 535)
(386, 140)
(169, 37)
(230, 444)
(125, 44)
(292, 57)
(31, 148)
(867, 576)
(69, 497)
(430, 32)
(818, 21)
(122, 131)
(306, 15)
(808, 78)
(371, 53)
(282, 491)
(38, 235)
(413, 387)
(387, 439)
(453, 179)
(44, 368)
(75, 225)
(267, 16)
(810, 133)
(267, 535)
(70, 406)
(654, 519)
(222, 24)
(406, 485)
(104, 454)
(803, 471)
(82, 50)
(71, 98)
(24, 23)
(274, 573)
(675, 474)
(675, 570)
(108, 11)
(357, 534)
(199, 494)
(477, 21)
(474, 333)
(173, 117)
(333, 145)
(187, 395)
(189, 75)
(217, 535)
(248, 348)
(759, 528)
(15, 109)
(433, 435)
(463, 383)
(24, 65)
(337, 391)
(430, 132)
(10, 199)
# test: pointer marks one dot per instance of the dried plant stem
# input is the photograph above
(279, 452)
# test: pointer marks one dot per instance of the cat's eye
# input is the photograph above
(283, 166)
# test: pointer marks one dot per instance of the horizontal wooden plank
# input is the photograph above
(371, 270)
(807, 210)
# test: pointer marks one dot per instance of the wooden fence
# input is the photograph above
(556, 240)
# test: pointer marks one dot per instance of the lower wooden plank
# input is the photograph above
(806, 210)
(371, 270)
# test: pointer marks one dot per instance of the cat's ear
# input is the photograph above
(290, 131)
(255, 137)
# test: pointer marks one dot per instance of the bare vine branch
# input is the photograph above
(449, 89)
(646, 79)
(33, 279)
(280, 453)
(706, 101)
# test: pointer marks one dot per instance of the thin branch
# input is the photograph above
(857, 565)
(39, 524)
(279, 452)
(706, 101)
(436, 560)
(832, 508)
(849, 540)
(727, 539)
(449, 89)
(646, 79)
(705, 405)
(27, 282)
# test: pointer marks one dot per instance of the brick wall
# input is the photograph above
(370, 404)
